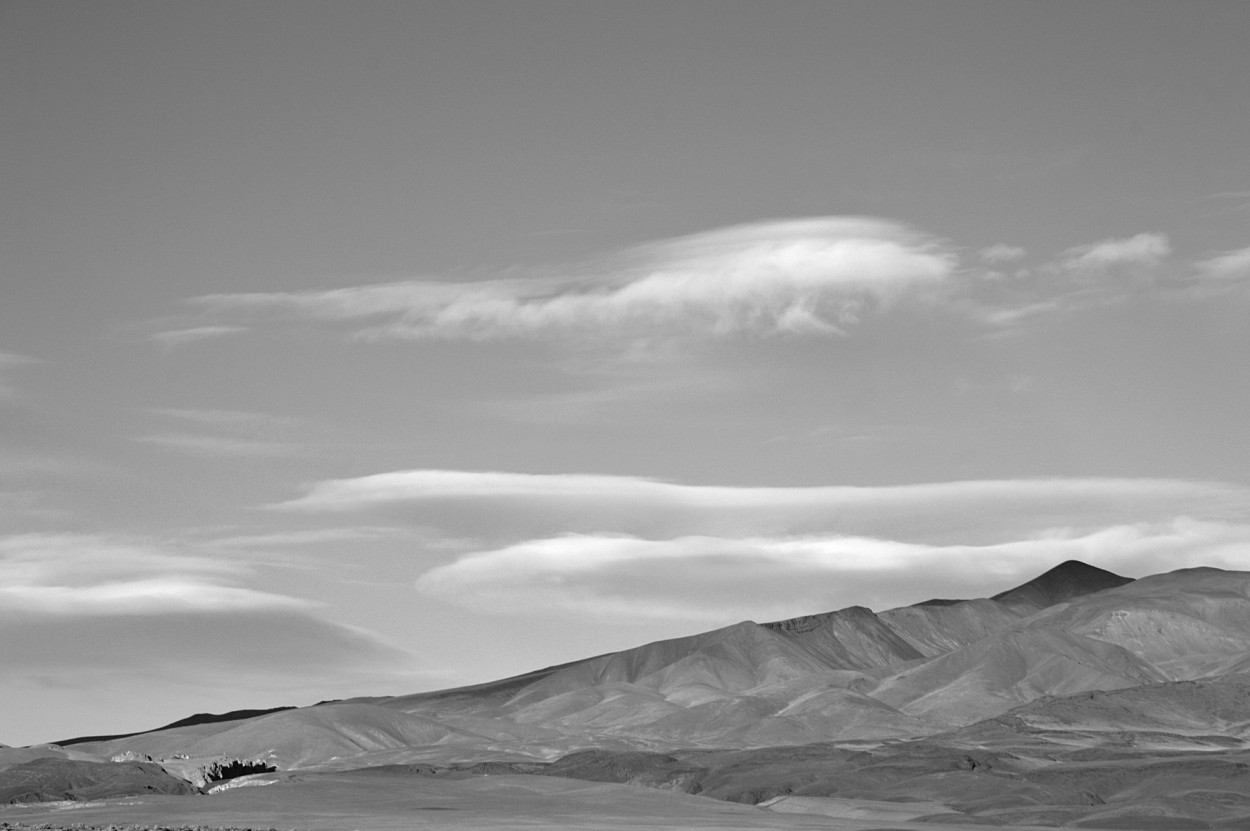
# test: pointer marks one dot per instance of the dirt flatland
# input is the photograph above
(345, 801)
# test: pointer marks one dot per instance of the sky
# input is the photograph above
(372, 348)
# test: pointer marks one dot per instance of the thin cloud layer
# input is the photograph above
(801, 277)
(628, 548)
(1234, 265)
(514, 506)
(74, 600)
(173, 338)
(712, 579)
(1084, 277)
(1142, 251)
(9, 362)
(225, 433)
(198, 444)
(1001, 253)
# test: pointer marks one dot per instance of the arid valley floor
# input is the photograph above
(1079, 699)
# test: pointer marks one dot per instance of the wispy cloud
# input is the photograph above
(1143, 251)
(225, 433)
(9, 362)
(1227, 267)
(720, 580)
(219, 446)
(1090, 276)
(799, 277)
(173, 338)
(305, 537)
(1001, 253)
(227, 419)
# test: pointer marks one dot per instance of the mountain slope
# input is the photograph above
(1188, 623)
(1018, 665)
(934, 629)
(851, 638)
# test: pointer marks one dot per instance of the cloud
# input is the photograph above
(1227, 267)
(8, 362)
(1146, 251)
(142, 596)
(710, 579)
(798, 277)
(220, 446)
(512, 506)
(89, 575)
(1084, 277)
(69, 601)
(238, 420)
(306, 537)
(173, 338)
(234, 434)
(1001, 253)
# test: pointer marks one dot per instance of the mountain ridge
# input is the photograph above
(847, 675)
(1120, 700)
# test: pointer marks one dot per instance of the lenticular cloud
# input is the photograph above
(810, 276)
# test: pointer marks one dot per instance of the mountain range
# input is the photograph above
(1135, 679)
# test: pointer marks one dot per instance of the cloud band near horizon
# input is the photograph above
(69, 601)
(633, 549)
(717, 580)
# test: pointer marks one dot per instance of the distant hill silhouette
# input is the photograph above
(189, 721)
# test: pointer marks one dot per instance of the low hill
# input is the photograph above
(52, 779)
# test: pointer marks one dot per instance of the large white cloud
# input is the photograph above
(715, 579)
(809, 276)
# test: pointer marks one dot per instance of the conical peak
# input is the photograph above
(1068, 580)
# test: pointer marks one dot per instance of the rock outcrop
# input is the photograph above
(204, 772)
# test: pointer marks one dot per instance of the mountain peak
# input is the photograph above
(1068, 580)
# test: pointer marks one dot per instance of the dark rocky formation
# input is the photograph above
(203, 773)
